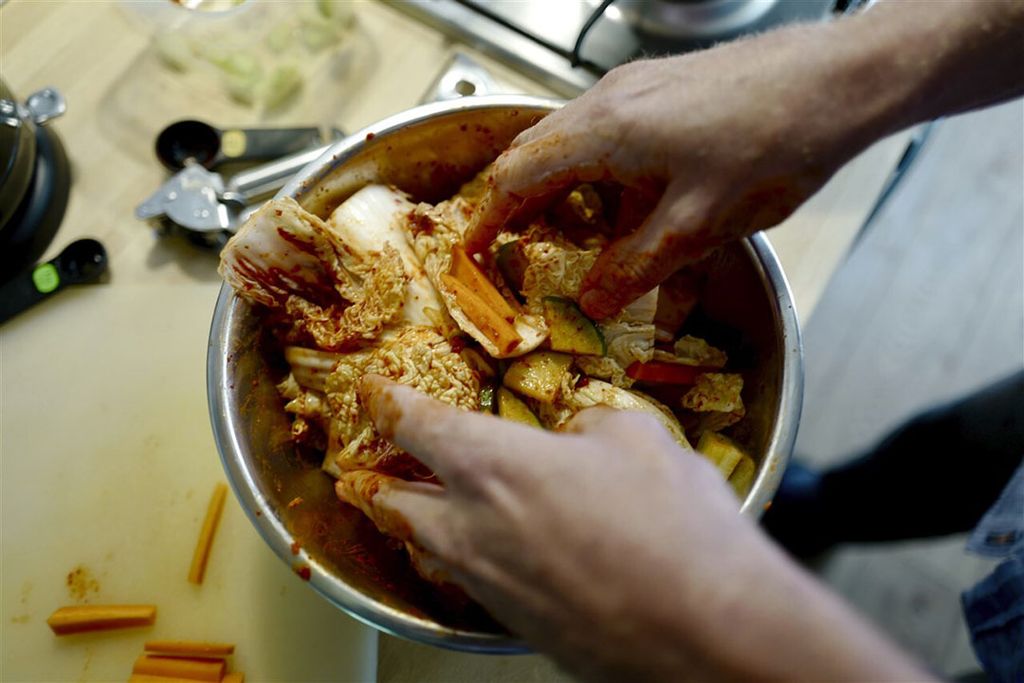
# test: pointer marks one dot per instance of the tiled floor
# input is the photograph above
(929, 305)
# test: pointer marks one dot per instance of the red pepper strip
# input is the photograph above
(660, 372)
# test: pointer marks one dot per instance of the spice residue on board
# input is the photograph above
(81, 583)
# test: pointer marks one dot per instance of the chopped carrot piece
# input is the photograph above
(189, 648)
(100, 617)
(465, 270)
(496, 328)
(180, 667)
(202, 553)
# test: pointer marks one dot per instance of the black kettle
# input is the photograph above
(35, 178)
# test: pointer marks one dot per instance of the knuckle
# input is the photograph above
(460, 471)
(454, 546)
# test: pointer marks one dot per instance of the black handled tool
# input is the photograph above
(200, 142)
(81, 261)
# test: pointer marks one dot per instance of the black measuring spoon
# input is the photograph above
(82, 261)
(209, 146)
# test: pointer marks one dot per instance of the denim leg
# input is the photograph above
(935, 475)
(994, 610)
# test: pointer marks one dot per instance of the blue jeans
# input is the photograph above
(994, 609)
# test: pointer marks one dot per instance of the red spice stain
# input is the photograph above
(303, 571)
(295, 502)
(81, 583)
(370, 136)
(296, 547)
(420, 224)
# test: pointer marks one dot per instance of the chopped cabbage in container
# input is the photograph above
(383, 286)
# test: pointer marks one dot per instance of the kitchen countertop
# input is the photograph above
(88, 52)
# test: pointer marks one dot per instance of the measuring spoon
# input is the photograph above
(82, 261)
(209, 146)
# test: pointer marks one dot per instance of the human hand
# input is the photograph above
(723, 143)
(610, 548)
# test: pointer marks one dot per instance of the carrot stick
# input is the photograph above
(189, 648)
(465, 270)
(100, 617)
(500, 331)
(146, 678)
(202, 554)
(180, 667)
(234, 677)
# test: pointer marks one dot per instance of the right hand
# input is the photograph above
(613, 550)
(724, 142)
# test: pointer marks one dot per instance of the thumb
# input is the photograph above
(671, 237)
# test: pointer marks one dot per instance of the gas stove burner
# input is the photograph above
(695, 19)
(569, 44)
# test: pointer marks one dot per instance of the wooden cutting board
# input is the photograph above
(107, 463)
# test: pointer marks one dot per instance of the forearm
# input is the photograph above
(903, 62)
(767, 619)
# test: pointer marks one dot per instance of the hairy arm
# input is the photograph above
(616, 552)
(731, 140)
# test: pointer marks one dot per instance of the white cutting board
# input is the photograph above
(107, 463)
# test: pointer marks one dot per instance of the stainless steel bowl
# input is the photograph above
(429, 151)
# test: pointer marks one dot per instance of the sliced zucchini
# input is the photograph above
(511, 407)
(487, 398)
(732, 462)
(538, 375)
(512, 264)
(570, 330)
(742, 478)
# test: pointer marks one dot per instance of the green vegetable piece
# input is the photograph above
(280, 38)
(242, 65)
(513, 408)
(174, 52)
(317, 35)
(512, 264)
(571, 331)
(338, 11)
(284, 84)
(729, 458)
(487, 399)
(538, 375)
(742, 478)
(241, 89)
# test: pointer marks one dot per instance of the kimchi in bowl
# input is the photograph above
(428, 153)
